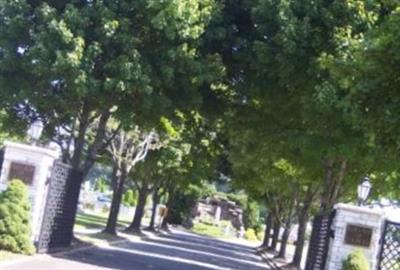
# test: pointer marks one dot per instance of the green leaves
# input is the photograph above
(366, 75)
(15, 219)
(181, 19)
(76, 62)
(290, 117)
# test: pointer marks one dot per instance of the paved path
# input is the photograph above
(176, 251)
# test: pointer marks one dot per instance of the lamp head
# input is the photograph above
(364, 189)
(35, 131)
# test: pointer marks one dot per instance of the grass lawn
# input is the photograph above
(95, 221)
(98, 238)
(209, 229)
(85, 222)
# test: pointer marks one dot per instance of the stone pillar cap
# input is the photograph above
(359, 209)
(33, 148)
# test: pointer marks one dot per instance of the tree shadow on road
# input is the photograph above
(176, 251)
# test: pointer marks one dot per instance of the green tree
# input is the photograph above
(15, 215)
(126, 149)
(278, 108)
(80, 63)
(251, 216)
(143, 179)
(183, 200)
(364, 71)
(101, 185)
(364, 79)
(129, 198)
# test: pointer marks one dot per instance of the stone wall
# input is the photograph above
(358, 217)
(207, 208)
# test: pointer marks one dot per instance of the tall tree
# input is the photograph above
(126, 150)
(79, 63)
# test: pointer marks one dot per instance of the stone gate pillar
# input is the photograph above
(353, 228)
(32, 165)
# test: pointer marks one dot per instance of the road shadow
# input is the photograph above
(202, 244)
(174, 251)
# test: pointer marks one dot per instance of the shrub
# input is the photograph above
(251, 216)
(89, 206)
(260, 235)
(129, 198)
(239, 198)
(183, 202)
(250, 235)
(15, 219)
(356, 261)
(206, 229)
(105, 209)
(101, 185)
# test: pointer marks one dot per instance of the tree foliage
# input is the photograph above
(79, 63)
(101, 185)
(129, 198)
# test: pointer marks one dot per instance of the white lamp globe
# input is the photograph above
(35, 131)
(363, 190)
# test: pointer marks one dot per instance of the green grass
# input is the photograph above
(209, 229)
(98, 238)
(92, 221)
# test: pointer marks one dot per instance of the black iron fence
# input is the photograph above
(319, 242)
(1, 159)
(59, 216)
(389, 257)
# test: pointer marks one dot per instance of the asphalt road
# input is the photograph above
(176, 251)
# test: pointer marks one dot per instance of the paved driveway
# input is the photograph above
(176, 251)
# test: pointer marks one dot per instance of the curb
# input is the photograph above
(269, 261)
(59, 253)
(68, 251)
(21, 260)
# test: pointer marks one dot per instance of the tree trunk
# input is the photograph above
(98, 143)
(304, 214)
(81, 164)
(118, 189)
(284, 240)
(275, 235)
(286, 232)
(267, 234)
(139, 212)
(79, 141)
(164, 224)
(301, 233)
(156, 200)
(332, 184)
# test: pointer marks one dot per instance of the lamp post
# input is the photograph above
(363, 190)
(35, 131)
